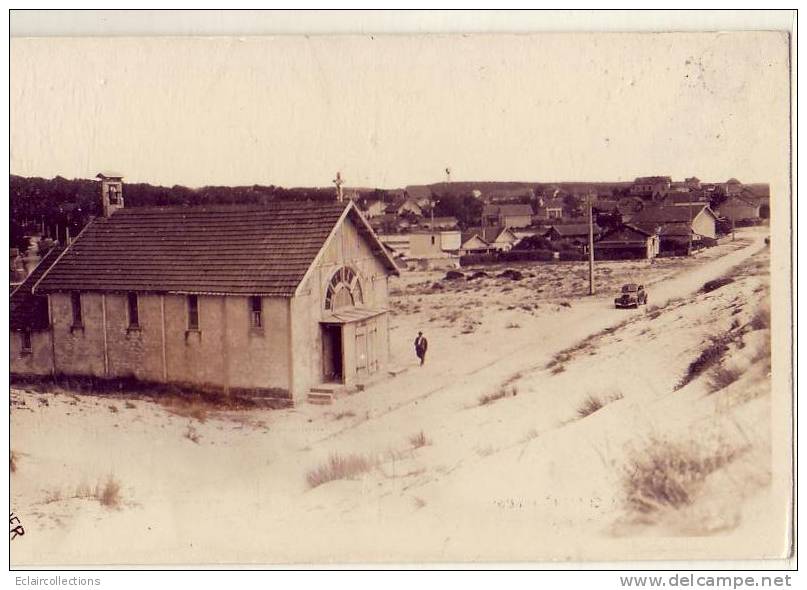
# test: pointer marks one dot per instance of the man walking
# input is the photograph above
(421, 344)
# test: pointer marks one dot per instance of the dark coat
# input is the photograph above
(421, 345)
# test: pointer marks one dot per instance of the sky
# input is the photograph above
(388, 111)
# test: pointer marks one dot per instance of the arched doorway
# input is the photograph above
(343, 291)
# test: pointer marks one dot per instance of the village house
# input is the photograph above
(421, 194)
(651, 187)
(511, 215)
(549, 209)
(731, 187)
(404, 206)
(278, 300)
(695, 198)
(626, 242)
(435, 249)
(737, 208)
(508, 195)
(575, 234)
(693, 183)
(372, 207)
(489, 238)
(473, 243)
(677, 227)
(442, 223)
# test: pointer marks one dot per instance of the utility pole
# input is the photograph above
(590, 246)
(338, 182)
(689, 228)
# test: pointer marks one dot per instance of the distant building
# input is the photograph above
(512, 216)
(675, 225)
(473, 243)
(693, 183)
(551, 209)
(500, 239)
(736, 208)
(435, 249)
(627, 242)
(438, 223)
(651, 187)
(509, 195)
(732, 186)
(373, 207)
(573, 233)
(695, 197)
(403, 206)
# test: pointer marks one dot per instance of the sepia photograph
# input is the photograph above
(376, 299)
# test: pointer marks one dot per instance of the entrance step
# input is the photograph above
(320, 398)
(395, 371)
(325, 393)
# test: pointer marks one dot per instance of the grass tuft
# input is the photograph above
(710, 286)
(109, 494)
(709, 357)
(419, 440)
(668, 474)
(722, 377)
(590, 405)
(340, 467)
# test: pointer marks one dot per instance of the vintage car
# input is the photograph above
(632, 295)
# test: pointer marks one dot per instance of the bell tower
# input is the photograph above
(111, 192)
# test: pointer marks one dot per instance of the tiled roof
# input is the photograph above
(653, 179)
(243, 250)
(672, 214)
(626, 233)
(26, 310)
(488, 233)
(574, 229)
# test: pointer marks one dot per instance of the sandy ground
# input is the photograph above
(520, 476)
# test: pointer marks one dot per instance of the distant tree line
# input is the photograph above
(58, 205)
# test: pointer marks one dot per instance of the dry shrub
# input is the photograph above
(589, 406)
(722, 377)
(503, 392)
(558, 369)
(593, 403)
(761, 319)
(113, 409)
(419, 440)
(341, 415)
(512, 325)
(716, 284)
(668, 474)
(109, 494)
(340, 467)
(709, 357)
(491, 397)
(129, 406)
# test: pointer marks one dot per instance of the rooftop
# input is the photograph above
(241, 250)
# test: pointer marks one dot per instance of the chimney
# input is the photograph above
(111, 192)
